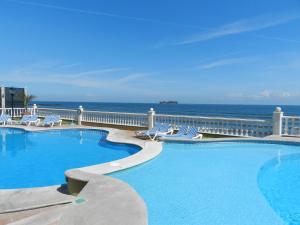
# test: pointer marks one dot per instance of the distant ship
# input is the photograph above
(168, 102)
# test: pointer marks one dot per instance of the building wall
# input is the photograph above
(18, 97)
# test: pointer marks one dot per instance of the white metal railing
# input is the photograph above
(291, 125)
(220, 125)
(279, 125)
(67, 114)
(15, 112)
(116, 118)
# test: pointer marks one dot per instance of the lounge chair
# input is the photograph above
(30, 119)
(164, 130)
(24, 119)
(183, 130)
(142, 133)
(5, 119)
(191, 134)
(52, 120)
(157, 129)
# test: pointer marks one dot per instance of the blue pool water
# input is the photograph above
(279, 180)
(34, 159)
(220, 184)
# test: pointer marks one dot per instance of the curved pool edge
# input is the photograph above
(149, 150)
(33, 198)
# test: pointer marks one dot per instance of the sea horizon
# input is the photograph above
(214, 110)
(179, 103)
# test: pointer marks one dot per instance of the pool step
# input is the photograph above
(16, 200)
(103, 201)
(50, 217)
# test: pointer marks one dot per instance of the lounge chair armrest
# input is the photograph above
(198, 136)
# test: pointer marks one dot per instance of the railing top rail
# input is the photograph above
(91, 111)
(214, 118)
(71, 110)
(126, 113)
(292, 117)
(166, 115)
(14, 108)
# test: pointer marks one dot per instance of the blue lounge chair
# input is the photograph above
(191, 134)
(24, 119)
(5, 119)
(29, 120)
(142, 133)
(183, 130)
(163, 130)
(52, 120)
(157, 129)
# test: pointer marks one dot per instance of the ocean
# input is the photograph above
(237, 111)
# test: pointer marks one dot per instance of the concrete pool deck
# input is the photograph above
(100, 195)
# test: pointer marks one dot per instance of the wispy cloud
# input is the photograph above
(224, 62)
(238, 27)
(241, 26)
(96, 83)
(71, 65)
(101, 78)
(106, 14)
(265, 94)
(277, 38)
(91, 73)
(64, 79)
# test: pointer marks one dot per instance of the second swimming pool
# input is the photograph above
(220, 184)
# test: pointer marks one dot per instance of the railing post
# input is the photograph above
(151, 114)
(34, 108)
(79, 115)
(277, 121)
(3, 98)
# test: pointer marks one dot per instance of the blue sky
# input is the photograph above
(193, 51)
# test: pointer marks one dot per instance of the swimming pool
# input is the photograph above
(227, 183)
(36, 159)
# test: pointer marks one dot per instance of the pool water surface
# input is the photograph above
(226, 183)
(36, 159)
(279, 180)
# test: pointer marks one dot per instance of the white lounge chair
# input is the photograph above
(52, 120)
(29, 120)
(192, 134)
(157, 129)
(153, 130)
(5, 119)
(183, 130)
(24, 119)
